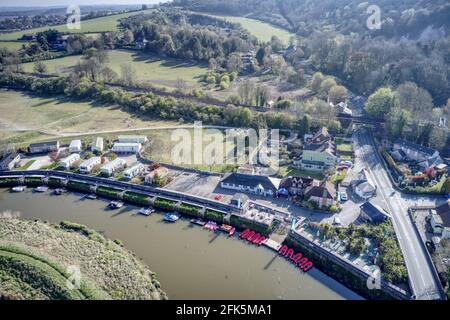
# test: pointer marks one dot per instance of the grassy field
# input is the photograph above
(261, 30)
(109, 23)
(12, 45)
(149, 68)
(25, 118)
(289, 171)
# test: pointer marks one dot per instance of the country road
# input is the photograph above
(420, 270)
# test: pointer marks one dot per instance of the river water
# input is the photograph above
(190, 263)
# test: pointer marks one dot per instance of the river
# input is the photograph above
(190, 263)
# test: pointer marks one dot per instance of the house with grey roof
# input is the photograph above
(43, 147)
(9, 161)
(424, 156)
(256, 184)
(370, 212)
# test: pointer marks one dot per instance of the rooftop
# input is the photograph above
(252, 181)
(411, 145)
(376, 213)
(444, 212)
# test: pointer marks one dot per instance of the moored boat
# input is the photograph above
(211, 225)
(199, 222)
(91, 196)
(171, 217)
(41, 189)
(116, 204)
(146, 211)
(228, 229)
(18, 189)
(59, 191)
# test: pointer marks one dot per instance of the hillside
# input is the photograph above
(400, 18)
(37, 259)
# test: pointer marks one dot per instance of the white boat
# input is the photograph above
(146, 211)
(41, 189)
(91, 196)
(116, 204)
(18, 189)
(171, 217)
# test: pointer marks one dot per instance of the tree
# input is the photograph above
(326, 86)
(316, 81)
(234, 63)
(337, 94)
(128, 74)
(380, 103)
(40, 67)
(304, 126)
(414, 99)
(276, 44)
(246, 92)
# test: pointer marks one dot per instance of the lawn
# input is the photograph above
(102, 24)
(12, 45)
(149, 68)
(41, 118)
(289, 171)
(261, 30)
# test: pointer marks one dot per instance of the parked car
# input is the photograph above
(344, 196)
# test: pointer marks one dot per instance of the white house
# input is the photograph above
(260, 185)
(75, 146)
(133, 171)
(440, 220)
(111, 167)
(125, 147)
(363, 186)
(97, 145)
(133, 139)
(10, 161)
(89, 164)
(68, 162)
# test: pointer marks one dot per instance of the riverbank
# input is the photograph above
(37, 259)
(191, 263)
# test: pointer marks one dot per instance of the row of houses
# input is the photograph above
(321, 193)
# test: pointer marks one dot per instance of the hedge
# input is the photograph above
(79, 186)
(108, 192)
(214, 215)
(9, 182)
(165, 204)
(54, 182)
(190, 210)
(136, 198)
(33, 181)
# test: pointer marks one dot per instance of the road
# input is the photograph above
(420, 270)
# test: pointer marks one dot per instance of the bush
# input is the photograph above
(214, 216)
(224, 85)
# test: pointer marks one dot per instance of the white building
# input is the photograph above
(133, 139)
(122, 147)
(75, 146)
(97, 144)
(10, 161)
(68, 162)
(89, 164)
(111, 167)
(133, 171)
